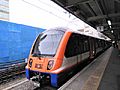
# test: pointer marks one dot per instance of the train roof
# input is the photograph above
(89, 31)
(94, 34)
(58, 29)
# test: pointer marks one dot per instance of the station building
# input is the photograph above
(4, 10)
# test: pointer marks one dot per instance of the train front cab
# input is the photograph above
(47, 54)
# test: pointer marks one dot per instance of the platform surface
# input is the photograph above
(93, 76)
(111, 76)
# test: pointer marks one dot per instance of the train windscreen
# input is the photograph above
(47, 43)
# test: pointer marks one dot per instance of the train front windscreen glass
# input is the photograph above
(47, 43)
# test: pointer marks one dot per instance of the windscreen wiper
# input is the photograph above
(40, 55)
(36, 55)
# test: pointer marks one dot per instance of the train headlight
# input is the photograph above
(30, 62)
(50, 64)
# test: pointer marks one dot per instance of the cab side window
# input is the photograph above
(72, 46)
(77, 44)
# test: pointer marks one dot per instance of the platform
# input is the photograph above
(111, 76)
(101, 74)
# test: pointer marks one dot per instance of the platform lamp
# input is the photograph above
(109, 23)
(111, 31)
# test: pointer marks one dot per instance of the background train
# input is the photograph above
(56, 53)
(15, 42)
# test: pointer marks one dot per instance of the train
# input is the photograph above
(57, 52)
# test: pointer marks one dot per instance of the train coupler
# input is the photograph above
(36, 80)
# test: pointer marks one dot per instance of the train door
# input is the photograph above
(80, 48)
(92, 47)
(85, 48)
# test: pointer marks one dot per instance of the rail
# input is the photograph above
(13, 70)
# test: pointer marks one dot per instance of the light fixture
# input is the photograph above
(112, 31)
(109, 22)
(110, 27)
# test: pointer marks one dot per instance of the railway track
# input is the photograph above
(11, 72)
(16, 72)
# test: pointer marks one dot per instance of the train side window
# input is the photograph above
(96, 42)
(81, 45)
(77, 44)
(85, 44)
(72, 46)
(99, 43)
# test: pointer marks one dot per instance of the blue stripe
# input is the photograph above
(27, 73)
(54, 80)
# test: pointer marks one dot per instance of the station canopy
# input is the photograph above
(103, 15)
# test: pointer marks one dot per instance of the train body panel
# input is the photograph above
(59, 52)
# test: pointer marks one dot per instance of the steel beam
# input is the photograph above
(117, 1)
(103, 16)
(58, 2)
(99, 7)
(91, 10)
(76, 2)
(116, 23)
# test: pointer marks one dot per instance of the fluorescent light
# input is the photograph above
(109, 22)
(113, 41)
(110, 27)
(112, 31)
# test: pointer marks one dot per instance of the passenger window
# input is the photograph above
(96, 41)
(77, 44)
(81, 44)
(85, 44)
(99, 43)
(72, 46)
